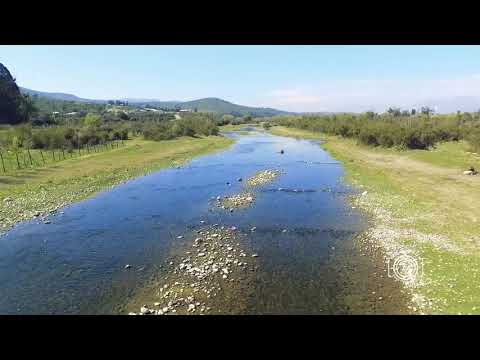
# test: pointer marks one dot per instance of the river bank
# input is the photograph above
(36, 193)
(422, 207)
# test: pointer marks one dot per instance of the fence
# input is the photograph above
(11, 160)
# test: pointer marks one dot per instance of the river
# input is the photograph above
(304, 235)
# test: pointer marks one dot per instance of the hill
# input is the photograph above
(220, 106)
(215, 105)
(59, 96)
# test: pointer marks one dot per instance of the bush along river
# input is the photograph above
(264, 227)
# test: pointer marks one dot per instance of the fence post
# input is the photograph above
(3, 165)
(63, 152)
(43, 159)
(30, 157)
(53, 155)
(18, 162)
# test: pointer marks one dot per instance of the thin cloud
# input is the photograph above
(377, 94)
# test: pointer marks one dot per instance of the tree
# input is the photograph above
(26, 108)
(92, 120)
(14, 107)
(227, 119)
(394, 111)
(427, 110)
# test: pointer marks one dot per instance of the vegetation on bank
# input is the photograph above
(29, 193)
(394, 128)
(183, 127)
(421, 203)
(90, 134)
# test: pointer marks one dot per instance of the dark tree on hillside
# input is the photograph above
(9, 95)
(14, 107)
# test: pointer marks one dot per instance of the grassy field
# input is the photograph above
(34, 158)
(29, 193)
(422, 205)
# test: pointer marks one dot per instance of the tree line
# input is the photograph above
(394, 128)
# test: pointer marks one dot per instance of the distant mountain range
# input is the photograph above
(59, 96)
(202, 105)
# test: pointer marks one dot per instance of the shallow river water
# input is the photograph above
(76, 263)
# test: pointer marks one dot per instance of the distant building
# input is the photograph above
(185, 110)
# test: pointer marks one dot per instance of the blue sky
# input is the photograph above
(296, 78)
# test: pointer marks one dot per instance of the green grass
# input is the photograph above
(57, 184)
(41, 158)
(426, 197)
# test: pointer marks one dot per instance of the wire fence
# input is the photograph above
(14, 160)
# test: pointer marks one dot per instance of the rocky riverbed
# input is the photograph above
(247, 197)
(216, 264)
(215, 267)
(237, 201)
(262, 177)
